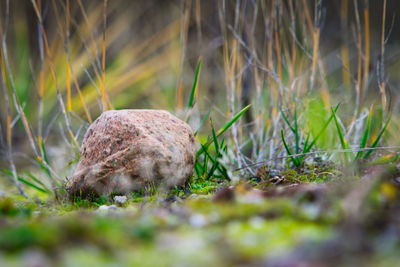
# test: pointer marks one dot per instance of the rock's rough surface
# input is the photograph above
(124, 150)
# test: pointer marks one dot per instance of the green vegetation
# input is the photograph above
(298, 159)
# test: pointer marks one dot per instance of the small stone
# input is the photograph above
(198, 220)
(187, 191)
(103, 207)
(125, 150)
(34, 258)
(193, 196)
(173, 198)
(225, 194)
(120, 200)
(107, 208)
(112, 207)
(273, 173)
(257, 222)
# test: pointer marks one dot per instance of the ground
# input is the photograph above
(213, 223)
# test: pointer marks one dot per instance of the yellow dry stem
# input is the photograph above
(316, 35)
(345, 66)
(325, 98)
(278, 56)
(184, 33)
(359, 62)
(103, 62)
(85, 108)
(68, 87)
(103, 78)
(367, 48)
(308, 16)
(382, 54)
(73, 138)
(9, 130)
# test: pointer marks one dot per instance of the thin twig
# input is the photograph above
(320, 152)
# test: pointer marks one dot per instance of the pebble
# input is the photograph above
(105, 207)
(120, 200)
(198, 220)
(173, 198)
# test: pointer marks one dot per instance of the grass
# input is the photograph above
(253, 228)
(262, 138)
(295, 157)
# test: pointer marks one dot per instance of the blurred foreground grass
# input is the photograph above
(300, 169)
(311, 224)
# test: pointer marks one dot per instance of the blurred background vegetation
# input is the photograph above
(312, 86)
(64, 62)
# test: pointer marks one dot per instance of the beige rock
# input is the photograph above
(125, 150)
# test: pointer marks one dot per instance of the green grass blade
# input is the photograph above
(43, 148)
(194, 87)
(378, 138)
(32, 185)
(212, 170)
(207, 157)
(23, 180)
(202, 122)
(197, 168)
(365, 136)
(339, 130)
(215, 139)
(340, 133)
(224, 128)
(385, 160)
(44, 168)
(232, 121)
(36, 180)
(221, 146)
(305, 145)
(306, 141)
(205, 163)
(215, 163)
(198, 165)
(296, 133)
(286, 120)
(294, 160)
(320, 133)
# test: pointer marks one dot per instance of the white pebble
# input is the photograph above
(105, 207)
(198, 221)
(120, 200)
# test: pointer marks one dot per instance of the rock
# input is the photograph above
(120, 200)
(193, 196)
(107, 208)
(198, 220)
(125, 150)
(32, 257)
(173, 198)
(225, 194)
(187, 192)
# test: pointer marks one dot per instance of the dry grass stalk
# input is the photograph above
(9, 152)
(185, 21)
(316, 36)
(367, 46)
(381, 65)
(346, 75)
(359, 59)
(103, 62)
